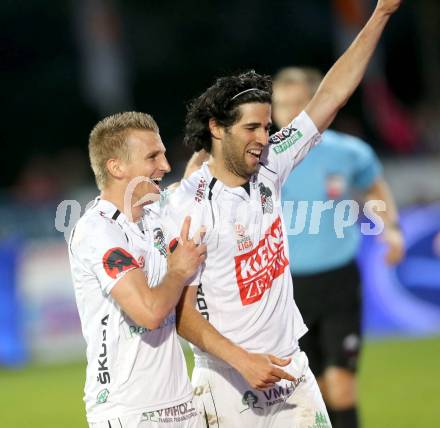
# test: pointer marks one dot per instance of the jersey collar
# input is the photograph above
(109, 210)
(217, 188)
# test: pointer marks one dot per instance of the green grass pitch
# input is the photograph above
(399, 388)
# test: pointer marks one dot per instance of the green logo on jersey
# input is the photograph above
(289, 142)
(320, 421)
(102, 396)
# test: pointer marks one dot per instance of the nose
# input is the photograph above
(165, 166)
(263, 137)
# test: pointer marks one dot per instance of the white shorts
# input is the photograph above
(229, 402)
(185, 415)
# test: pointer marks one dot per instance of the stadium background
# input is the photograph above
(64, 65)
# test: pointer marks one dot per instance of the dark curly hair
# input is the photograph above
(220, 102)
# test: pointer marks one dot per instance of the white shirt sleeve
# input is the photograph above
(289, 146)
(103, 249)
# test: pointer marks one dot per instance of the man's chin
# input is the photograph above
(251, 170)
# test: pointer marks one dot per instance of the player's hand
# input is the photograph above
(185, 259)
(263, 370)
(393, 239)
(388, 6)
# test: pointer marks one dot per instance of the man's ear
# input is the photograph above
(116, 168)
(217, 131)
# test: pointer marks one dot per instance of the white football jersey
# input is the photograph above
(130, 369)
(245, 286)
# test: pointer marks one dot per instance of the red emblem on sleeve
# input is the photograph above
(117, 260)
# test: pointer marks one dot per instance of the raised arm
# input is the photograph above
(345, 75)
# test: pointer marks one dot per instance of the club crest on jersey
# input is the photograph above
(256, 270)
(243, 240)
(117, 260)
(159, 241)
(266, 199)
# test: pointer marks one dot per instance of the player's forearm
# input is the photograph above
(392, 235)
(193, 327)
(346, 74)
(380, 191)
(164, 297)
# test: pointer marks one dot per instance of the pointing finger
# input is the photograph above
(283, 375)
(184, 232)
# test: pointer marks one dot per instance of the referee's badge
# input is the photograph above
(335, 186)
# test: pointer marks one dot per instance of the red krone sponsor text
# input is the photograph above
(256, 270)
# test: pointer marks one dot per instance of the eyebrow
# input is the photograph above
(256, 124)
(154, 153)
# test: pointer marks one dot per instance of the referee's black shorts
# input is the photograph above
(330, 303)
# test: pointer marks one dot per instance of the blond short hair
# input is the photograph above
(108, 140)
(311, 77)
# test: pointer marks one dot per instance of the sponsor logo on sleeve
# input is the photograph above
(256, 270)
(117, 260)
(284, 139)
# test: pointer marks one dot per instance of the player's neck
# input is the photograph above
(133, 213)
(219, 170)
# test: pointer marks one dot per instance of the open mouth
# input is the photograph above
(255, 153)
(156, 181)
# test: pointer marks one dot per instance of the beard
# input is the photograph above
(234, 158)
